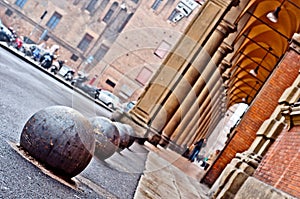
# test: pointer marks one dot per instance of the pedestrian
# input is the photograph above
(198, 145)
(211, 158)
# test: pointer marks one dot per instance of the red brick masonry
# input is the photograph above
(281, 165)
(265, 103)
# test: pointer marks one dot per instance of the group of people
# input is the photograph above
(193, 151)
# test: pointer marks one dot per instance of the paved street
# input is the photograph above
(141, 172)
(24, 91)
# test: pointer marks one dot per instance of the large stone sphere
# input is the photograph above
(127, 136)
(61, 138)
(131, 133)
(107, 137)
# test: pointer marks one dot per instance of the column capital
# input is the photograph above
(224, 66)
(225, 27)
(295, 44)
(292, 115)
(250, 158)
(226, 76)
(225, 48)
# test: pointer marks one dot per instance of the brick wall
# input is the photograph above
(263, 106)
(281, 165)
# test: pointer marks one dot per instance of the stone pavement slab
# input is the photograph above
(164, 179)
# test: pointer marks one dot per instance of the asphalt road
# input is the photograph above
(24, 91)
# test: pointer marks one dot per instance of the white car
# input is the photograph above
(109, 99)
(128, 106)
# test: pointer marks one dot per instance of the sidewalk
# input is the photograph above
(169, 175)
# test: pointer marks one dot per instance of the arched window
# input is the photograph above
(156, 4)
(91, 6)
(110, 12)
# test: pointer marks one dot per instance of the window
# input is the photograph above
(54, 20)
(21, 3)
(74, 57)
(85, 42)
(162, 49)
(110, 12)
(172, 15)
(135, 1)
(9, 12)
(156, 4)
(111, 83)
(91, 6)
(144, 76)
(101, 52)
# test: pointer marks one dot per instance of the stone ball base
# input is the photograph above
(107, 137)
(127, 135)
(61, 138)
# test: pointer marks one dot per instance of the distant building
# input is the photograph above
(120, 43)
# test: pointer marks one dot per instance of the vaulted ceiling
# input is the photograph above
(261, 44)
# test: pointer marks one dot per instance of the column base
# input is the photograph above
(153, 137)
(164, 141)
(234, 175)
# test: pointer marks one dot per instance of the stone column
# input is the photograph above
(197, 108)
(208, 121)
(186, 106)
(208, 124)
(191, 130)
(188, 55)
(202, 66)
(245, 133)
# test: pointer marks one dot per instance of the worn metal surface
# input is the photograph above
(107, 137)
(131, 133)
(61, 138)
(126, 135)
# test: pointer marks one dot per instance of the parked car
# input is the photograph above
(128, 106)
(5, 34)
(109, 99)
(90, 90)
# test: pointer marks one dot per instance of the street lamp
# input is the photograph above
(254, 71)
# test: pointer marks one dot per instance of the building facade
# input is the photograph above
(118, 44)
(243, 54)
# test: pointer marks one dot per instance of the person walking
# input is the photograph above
(211, 159)
(197, 148)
